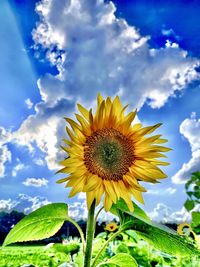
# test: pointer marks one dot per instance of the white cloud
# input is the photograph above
(169, 190)
(102, 52)
(190, 129)
(28, 103)
(7, 205)
(162, 213)
(36, 182)
(78, 210)
(39, 161)
(23, 203)
(5, 156)
(20, 166)
(96, 52)
(30, 204)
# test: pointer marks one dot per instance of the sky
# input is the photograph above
(54, 54)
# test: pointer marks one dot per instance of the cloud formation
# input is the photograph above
(29, 103)
(20, 166)
(36, 182)
(24, 203)
(190, 129)
(94, 51)
(162, 213)
(168, 190)
(5, 154)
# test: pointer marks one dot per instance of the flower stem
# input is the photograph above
(105, 245)
(80, 232)
(96, 217)
(89, 235)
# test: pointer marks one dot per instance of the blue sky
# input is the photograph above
(57, 53)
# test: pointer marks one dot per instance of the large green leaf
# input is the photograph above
(121, 260)
(160, 236)
(121, 207)
(40, 224)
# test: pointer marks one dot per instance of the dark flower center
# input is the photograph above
(108, 154)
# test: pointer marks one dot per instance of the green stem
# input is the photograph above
(105, 245)
(80, 232)
(89, 235)
(96, 217)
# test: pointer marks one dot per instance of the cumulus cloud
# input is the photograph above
(94, 51)
(190, 129)
(29, 103)
(23, 203)
(20, 166)
(5, 154)
(7, 205)
(36, 182)
(78, 210)
(162, 213)
(29, 204)
(39, 161)
(169, 190)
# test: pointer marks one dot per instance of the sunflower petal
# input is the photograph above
(107, 202)
(83, 111)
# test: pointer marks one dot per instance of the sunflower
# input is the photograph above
(111, 227)
(185, 229)
(108, 155)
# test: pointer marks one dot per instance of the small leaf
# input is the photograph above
(122, 248)
(161, 237)
(189, 204)
(41, 223)
(195, 218)
(132, 234)
(121, 260)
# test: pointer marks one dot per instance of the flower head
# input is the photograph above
(108, 155)
(183, 228)
(111, 227)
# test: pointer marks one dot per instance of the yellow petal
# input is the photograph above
(99, 99)
(149, 129)
(117, 106)
(83, 111)
(133, 182)
(93, 182)
(84, 124)
(107, 202)
(72, 161)
(98, 194)
(110, 190)
(140, 175)
(116, 186)
(157, 162)
(78, 187)
(137, 195)
(90, 198)
(73, 124)
(62, 180)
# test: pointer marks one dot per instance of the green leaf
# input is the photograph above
(122, 248)
(189, 204)
(121, 206)
(132, 234)
(195, 218)
(121, 260)
(161, 237)
(40, 224)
